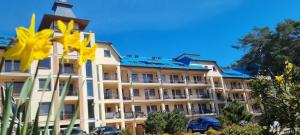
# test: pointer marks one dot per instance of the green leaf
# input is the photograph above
(27, 113)
(6, 111)
(74, 117)
(35, 130)
(61, 101)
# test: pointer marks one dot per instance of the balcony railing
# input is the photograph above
(174, 81)
(126, 98)
(203, 96)
(66, 116)
(69, 92)
(111, 96)
(234, 87)
(145, 80)
(130, 115)
(179, 96)
(112, 115)
(151, 97)
(197, 82)
(204, 111)
(110, 77)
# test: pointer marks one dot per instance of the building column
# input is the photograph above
(245, 96)
(214, 104)
(224, 89)
(83, 101)
(120, 91)
(101, 95)
(161, 91)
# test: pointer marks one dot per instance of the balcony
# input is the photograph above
(110, 76)
(151, 97)
(145, 80)
(66, 116)
(179, 96)
(111, 115)
(126, 97)
(67, 68)
(200, 96)
(174, 81)
(203, 111)
(198, 82)
(110, 96)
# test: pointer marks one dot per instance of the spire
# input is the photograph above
(63, 8)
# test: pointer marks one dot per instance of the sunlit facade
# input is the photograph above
(122, 90)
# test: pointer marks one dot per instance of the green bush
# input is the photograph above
(165, 122)
(126, 131)
(249, 129)
(212, 132)
(176, 122)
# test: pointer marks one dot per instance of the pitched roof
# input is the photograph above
(236, 74)
(4, 41)
(157, 62)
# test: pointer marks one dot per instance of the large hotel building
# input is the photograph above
(121, 90)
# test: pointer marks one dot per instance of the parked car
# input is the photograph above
(75, 131)
(203, 124)
(106, 130)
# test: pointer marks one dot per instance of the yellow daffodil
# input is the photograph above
(67, 39)
(30, 45)
(86, 53)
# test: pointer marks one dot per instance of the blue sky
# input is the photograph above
(164, 28)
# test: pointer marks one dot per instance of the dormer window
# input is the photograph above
(214, 68)
(107, 53)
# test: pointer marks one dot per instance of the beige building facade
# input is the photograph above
(121, 91)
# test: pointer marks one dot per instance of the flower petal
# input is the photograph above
(61, 26)
(44, 33)
(32, 24)
(22, 35)
(14, 52)
(70, 26)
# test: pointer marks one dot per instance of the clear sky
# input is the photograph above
(163, 28)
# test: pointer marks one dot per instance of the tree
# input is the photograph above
(235, 112)
(176, 122)
(280, 98)
(169, 122)
(267, 49)
(155, 123)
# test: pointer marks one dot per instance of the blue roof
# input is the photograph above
(157, 63)
(236, 74)
(4, 41)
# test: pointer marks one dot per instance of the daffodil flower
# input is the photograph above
(30, 45)
(67, 39)
(86, 53)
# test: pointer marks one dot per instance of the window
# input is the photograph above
(89, 84)
(88, 69)
(163, 78)
(134, 77)
(138, 108)
(167, 108)
(68, 68)
(42, 83)
(136, 92)
(106, 76)
(214, 68)
(152, 108)
(90, 109)
(149, 92)
(11, 66)
(46, 63)
(107, 53)
(44, 108)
